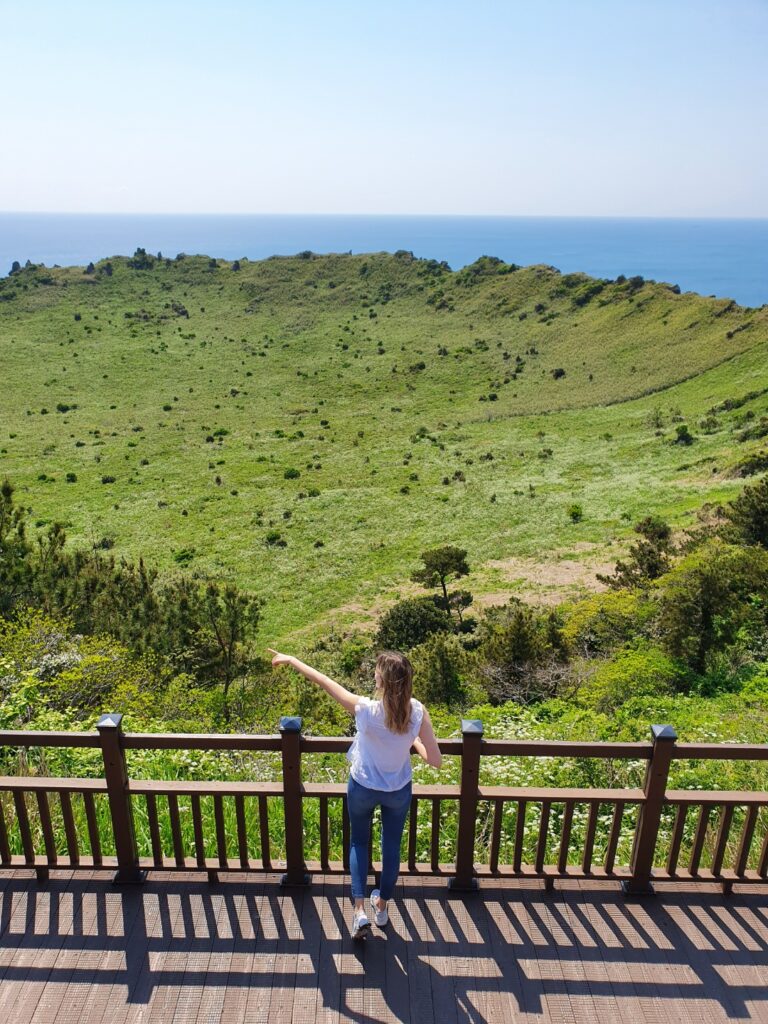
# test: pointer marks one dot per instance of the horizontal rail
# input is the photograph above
(41, 783)
(198, 741)
(566, 748)
(464, 831)
(721, 751)
(715, 797)
(579, 796)
(29, 738)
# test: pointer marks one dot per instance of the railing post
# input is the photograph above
(471, 742)
(296, 869)
(647, 830)
(121, 811)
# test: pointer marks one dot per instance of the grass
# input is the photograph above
(198, 388)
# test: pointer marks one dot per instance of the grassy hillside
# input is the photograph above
(308, 425)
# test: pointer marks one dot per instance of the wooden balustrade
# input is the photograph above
(557, 833)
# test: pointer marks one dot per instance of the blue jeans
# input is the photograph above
(395, 805)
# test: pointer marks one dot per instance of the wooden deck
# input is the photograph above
(81, 950)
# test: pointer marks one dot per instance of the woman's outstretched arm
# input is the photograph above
(426, 743)
(336, 690)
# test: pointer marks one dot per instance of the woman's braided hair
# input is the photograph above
(394, 680)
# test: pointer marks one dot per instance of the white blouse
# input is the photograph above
(380, 758)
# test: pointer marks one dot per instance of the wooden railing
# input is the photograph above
(544, 819)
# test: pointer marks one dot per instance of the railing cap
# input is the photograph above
(471, 727)
(110, 721)
(663, 732)
(290, 723)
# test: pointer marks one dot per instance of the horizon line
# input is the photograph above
(490, 216)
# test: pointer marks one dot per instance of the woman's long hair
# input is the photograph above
(394, 680)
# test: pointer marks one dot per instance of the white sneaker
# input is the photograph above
(381, 917)
(361, 926)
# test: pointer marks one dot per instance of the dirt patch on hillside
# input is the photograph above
(547, 582)
(550, 582)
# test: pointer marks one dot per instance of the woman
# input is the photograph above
(380, 773)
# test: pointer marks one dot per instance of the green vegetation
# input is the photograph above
(196, 393)
(316, 452)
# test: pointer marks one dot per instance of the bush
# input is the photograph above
(705, 600)
(408, 623)
(575, 512)
(437, 667)
(141, 260)
(291, 474)
(520, 653)
(683, 435)
(648, 559)
(748, 514)
(639, 670)
(751, 464)
(600, 623)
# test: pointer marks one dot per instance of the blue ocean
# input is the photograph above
(727, 258)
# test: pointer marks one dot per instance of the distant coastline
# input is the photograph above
(726, 258)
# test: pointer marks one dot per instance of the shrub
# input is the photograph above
(639, 670)
(575, 512)
(520, 652)
(600, 623)
(71, 478)
(291, 474)
(558, 373)
(648, 559)
(141, 260)
(437, 669)
(751, 464)
(409, 623)
(683, 435)
(106, 479)
(748, 514)
(703, 602)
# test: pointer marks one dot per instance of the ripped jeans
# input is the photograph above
(395, 805)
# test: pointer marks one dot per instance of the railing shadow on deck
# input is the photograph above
(234, 946)
(558, 834)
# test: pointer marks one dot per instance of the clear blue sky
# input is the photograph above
(562, 107)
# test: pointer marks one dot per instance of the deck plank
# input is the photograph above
(246, 929)
(30, 969)
(418, 946)
(81, 950)
(67, 988)
(328, 988)
(396, 979)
